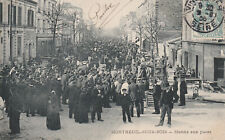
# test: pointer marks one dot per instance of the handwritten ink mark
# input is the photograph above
(100, 13)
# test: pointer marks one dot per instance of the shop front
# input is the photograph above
(206, 59)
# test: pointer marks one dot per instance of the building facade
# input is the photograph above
(21, 18)
(203, 43)
(68, 32)
(44, 33)
(165, 15)
(72, 32)
(174, 50)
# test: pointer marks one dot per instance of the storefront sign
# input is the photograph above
(204, 16)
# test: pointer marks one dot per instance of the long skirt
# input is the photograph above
(53, 121)
(83, 114)
(14, 123)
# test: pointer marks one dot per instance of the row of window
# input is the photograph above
(18, 51)
(45, 28)
(45, 6)
(19, 46)
(16, 18)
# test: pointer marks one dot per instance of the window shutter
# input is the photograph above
(32, 18)
(28, 16)
(19, 16)
(9, 14)
(19, 45)
(14, 15)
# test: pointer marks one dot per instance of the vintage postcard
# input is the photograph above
(112, 69)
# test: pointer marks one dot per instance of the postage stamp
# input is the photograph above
(205, 17)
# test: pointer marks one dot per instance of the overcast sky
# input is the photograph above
(110, 11)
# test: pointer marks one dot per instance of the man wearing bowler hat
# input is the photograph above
(166, 104)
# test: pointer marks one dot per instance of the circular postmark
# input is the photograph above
(204, 16)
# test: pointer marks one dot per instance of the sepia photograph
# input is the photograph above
(112, 69)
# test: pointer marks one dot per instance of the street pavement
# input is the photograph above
(195, 121)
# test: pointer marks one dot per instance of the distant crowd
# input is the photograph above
(41, 88)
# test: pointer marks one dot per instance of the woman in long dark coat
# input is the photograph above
(43, 100)
(14, 110)
(53, 118)
(14, 115)
(83, 106)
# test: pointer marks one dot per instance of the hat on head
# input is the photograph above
(159, 82)
(167, 84)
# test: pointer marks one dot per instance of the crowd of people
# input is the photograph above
(41, 88)
(181, 71)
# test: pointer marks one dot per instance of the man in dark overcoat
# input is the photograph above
(175, 89)
(142, 88)
(166, 104)
(106, 88)
(71, 88)
(58, 89)
(14, 110)
(43, 99)
(77, 92)
(156, 96)
(125, 102)
(96, 102)
(83, 105)
(183, 91)
(64, 81)
(29, 97)
(135, 98)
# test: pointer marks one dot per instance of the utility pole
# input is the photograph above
(74, 28)
(10, 32)
(156, 24)
(165, 63)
